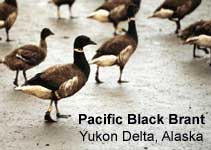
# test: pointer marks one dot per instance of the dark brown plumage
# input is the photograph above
(117, 50)
(27, 57)
(61, 81)
(115, 12)
(201, 27)
(176, 10)
(59, 3)
(8, 15)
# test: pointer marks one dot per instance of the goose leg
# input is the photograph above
(16, 78)
(97, 76)
(115, 29)
(203, 49)
(210, 57)
(47, 116)
(178, 26)
(194, 51)
(120, 77)
(8, 37)
(71, 14)
(24, 75)
(58, 115)
(58, 13)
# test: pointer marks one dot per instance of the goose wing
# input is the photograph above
(55, 76)
(171, 4)
(114, 46)
(30, 54)
(5, 11)
(119, 13)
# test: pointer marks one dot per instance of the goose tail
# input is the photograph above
(2, 61)
(99, 15)
(191, 40)
(37, 91)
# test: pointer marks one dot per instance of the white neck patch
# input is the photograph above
(132, 19)
(78, 50)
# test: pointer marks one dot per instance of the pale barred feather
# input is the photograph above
(100, 15)
(105, 60)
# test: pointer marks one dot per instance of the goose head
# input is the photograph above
(137, 2)
(11, 2)
(82, 41)
(45, 33)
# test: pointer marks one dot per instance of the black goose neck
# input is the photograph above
(81, 61)
(132, 29)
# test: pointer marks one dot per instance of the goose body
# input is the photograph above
(198, 28)
(28, 56)
(115, 12)
(61, 81)
(117, 50)
(201, 40)
(8, 15)
(175, 10)
(59, 3)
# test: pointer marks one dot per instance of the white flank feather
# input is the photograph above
(163, 14)
(105, 61)
(202, 40)
(2, 23)
(125, 55)
(100, 15)
(38, 91)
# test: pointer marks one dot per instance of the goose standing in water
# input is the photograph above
(196, 29)
(175, 10)
(61, 81)
(115, 12)
(117, 50)
(8, 15)
(27, 56)
(59, 3)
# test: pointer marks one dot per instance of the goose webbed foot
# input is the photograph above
(48, 118)
(58, 115)
(196, 56)
(99, 82)
(0, 38)
(15, 83)
(122, 81)
(73, 17)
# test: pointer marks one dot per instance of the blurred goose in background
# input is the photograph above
(61, 81)
(117, 50)
(196, 29)
(115, 12)
(28, 56)
(201, 40)
(175, 10)
(59, 3)
(8, 15)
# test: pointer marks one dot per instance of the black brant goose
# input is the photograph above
(201, 40)
(196, 29)
(59, 3)
(115, 12)
(8, 15)
(175, 10)
(28, 56)
(117, 50)
(61, 81)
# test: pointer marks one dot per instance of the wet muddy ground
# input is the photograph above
(164, 78)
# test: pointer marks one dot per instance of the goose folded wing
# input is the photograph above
(5, 11)
(119, 13)
(171, 4)
(30, 54)
(114, 46)
(55, 76)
